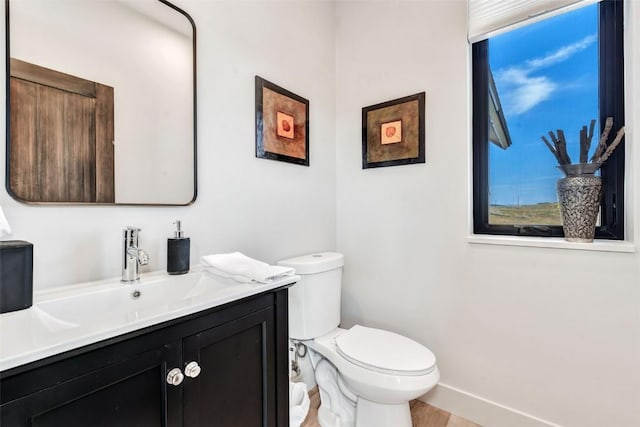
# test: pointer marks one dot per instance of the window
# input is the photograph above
(556, 73)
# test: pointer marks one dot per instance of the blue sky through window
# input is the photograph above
(547, 79)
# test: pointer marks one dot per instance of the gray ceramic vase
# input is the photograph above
(579, 195)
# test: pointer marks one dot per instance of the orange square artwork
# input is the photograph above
(391, 132)
(284, 126)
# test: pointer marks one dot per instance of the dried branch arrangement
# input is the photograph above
(602, 151)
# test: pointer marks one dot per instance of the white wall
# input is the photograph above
(266, 209)
(149, 65)
(553, 333)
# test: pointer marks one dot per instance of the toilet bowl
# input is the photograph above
(366, 376)
(383, 370)
(378, 365)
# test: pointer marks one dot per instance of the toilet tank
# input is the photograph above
(314, 302)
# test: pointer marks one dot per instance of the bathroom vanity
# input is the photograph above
(194, 350)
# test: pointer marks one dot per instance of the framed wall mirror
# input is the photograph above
(101, 102)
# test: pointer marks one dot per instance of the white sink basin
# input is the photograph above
(73, 316)
(127, 302)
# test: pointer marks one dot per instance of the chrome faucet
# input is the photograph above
(132, 255)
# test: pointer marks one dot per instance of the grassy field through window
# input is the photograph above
(536, 214)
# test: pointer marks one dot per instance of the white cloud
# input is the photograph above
(561, 54)
(520, 91)
(531, 93)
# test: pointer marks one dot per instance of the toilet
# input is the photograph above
(366, 376)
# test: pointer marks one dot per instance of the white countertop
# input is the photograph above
(74, 316)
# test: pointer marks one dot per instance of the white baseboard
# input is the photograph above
(479, 410)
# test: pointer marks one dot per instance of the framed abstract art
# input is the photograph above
(282, 124)
(393, 132)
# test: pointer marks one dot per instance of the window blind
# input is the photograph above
(490, 17)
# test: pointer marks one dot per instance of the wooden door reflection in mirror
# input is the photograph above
(100, 102)
(61, 136)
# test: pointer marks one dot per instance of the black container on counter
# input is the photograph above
(16, 275)
(178, 252)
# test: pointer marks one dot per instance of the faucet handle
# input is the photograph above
(143, 257)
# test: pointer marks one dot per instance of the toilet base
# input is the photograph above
(326, 418)
(340, 406)
(369, 414)
(373, 414)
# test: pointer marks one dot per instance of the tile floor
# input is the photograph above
(422, 415)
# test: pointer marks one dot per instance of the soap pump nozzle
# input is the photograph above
(178, 234)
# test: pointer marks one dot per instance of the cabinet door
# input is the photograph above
(129, 393)
(237, 383)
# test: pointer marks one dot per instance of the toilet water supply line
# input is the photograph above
(300, 350)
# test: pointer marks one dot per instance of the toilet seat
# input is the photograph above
(396, 386)
(385, 352)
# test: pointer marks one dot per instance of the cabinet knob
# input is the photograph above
(192, 369)
(175, 377)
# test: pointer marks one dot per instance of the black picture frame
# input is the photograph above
(290, 144)
(409, 112)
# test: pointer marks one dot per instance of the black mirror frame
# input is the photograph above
(8, 121)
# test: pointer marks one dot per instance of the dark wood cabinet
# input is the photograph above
(232, 357)
(126, 393)
(242, 380)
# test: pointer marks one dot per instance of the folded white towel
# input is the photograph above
(5, 229)
(240, 279)
(244, 269)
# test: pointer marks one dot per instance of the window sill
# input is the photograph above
(554, 243)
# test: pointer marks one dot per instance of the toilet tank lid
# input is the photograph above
(314, 263)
